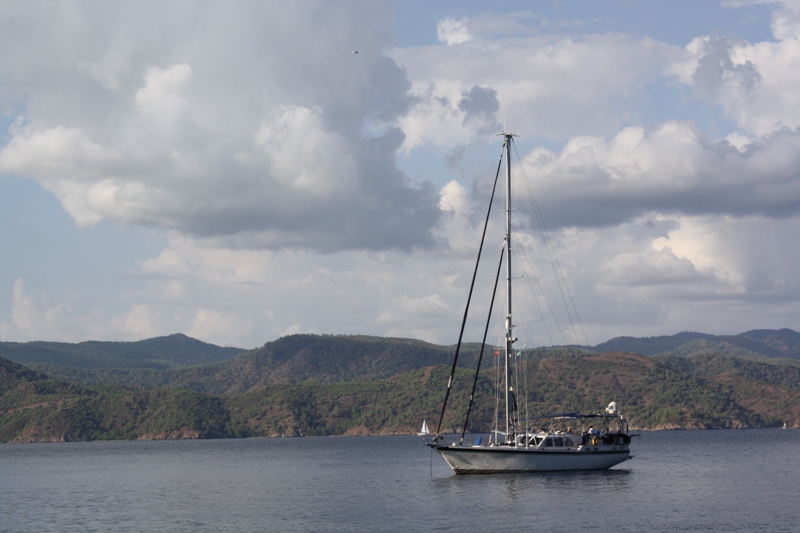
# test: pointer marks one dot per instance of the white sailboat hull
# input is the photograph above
(489, 460)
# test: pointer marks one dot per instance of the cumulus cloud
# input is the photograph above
(673, 169)
(786, 20)
(451, 31)
(253, 139)
(33, 314)
(161, 98)
(674, 273)
(754, 82)
(250, 130)
(264, 293)
(554, 86)
(144, 321)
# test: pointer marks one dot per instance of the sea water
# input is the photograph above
(733, 480)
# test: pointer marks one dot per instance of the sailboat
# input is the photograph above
(424, 430)
(570, 441)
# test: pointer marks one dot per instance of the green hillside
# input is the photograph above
(35, 408)
(295, 358)
(653, 393)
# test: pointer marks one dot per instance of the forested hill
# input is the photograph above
(36, 408)
(333, 385)
(291, 359)
(157, 353)
(335, 358)
(351, 357)
(711, 391)
(758, 343)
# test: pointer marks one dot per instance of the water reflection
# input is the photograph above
(520, 485)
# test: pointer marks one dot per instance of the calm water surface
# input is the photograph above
(744, 480)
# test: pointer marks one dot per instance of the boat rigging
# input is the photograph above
(518, 447)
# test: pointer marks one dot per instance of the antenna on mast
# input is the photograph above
(505, 132)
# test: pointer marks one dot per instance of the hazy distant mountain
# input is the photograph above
(157, 353)
(759, 343)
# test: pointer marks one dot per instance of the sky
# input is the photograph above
(236, 172)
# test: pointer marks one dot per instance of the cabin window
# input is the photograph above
(568, 443)
(559, 441)
(548, 442)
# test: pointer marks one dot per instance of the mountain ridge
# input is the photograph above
(342, 358)
(697, 392)
(356, 385)
(766, 343)
(157, 353)
(179, 350)
(294, 358)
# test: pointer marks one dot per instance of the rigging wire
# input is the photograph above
(496, 393)
(525, 261)
(498, 380)
(517, 358)
(531, 271)
(561, 279)
(483, 342)
(469, 299)
(499, 376)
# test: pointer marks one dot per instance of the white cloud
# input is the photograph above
(552, 86)
(161, 99)
(244, 123)
(299, 134)
(186, 257)
(144, 321)
(786, 21)
(451, 31)
(266, 150)
(24, 313)
(262, 294)
(219, 328)
(744, 254)
(35, 317)
(672, 169)
(667, 274)
(754, 82)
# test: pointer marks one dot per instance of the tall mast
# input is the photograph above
(509, 323)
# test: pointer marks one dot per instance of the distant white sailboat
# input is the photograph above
(520, 447)
(424, 430)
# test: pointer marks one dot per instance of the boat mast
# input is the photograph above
(509, 324)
